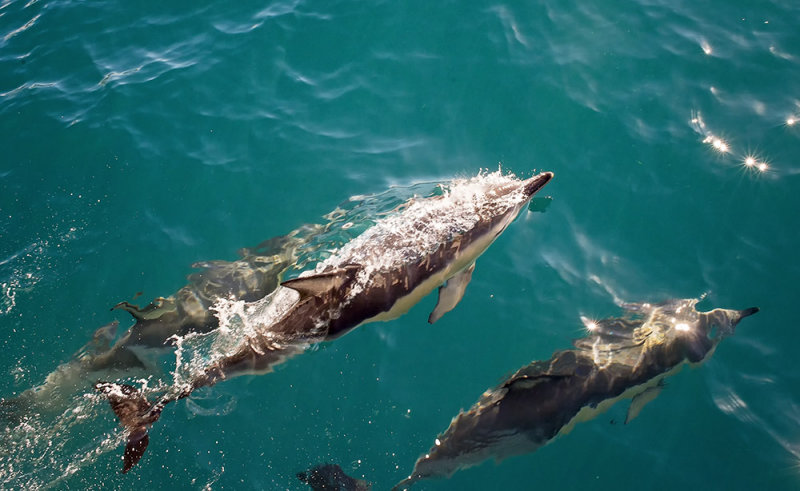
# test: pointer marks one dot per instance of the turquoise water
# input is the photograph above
(140, 138)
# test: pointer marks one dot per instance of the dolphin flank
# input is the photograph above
(378, 276)
(625, 357)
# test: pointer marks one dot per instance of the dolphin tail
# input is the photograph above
(135, 414)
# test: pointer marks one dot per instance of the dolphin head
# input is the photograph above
(721, 323)
(503, 197)
(516, 189)
(678, 329)
(697, 333)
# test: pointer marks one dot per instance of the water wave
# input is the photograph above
(23, 269)
(41, 451)
(776, 416)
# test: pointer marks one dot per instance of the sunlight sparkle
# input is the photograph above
(720, 145)
(753, 162)
(589, 324)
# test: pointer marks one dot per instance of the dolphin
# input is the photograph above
(253, 276)
(377, 276)
(621, 358)
(330, 477)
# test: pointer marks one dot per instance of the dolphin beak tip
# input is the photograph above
(537, 182)
(750, 311)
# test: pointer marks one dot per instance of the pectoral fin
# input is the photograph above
(451, 292)
(641, 399)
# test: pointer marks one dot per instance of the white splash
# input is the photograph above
(422, 225)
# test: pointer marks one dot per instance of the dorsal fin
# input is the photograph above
(319, 284)
(131, 308)
(529, 381)
(153, 310)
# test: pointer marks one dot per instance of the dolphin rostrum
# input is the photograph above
(626, 357)
(378, 276)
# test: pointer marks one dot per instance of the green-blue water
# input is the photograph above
(138, 138)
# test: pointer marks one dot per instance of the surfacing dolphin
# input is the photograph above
(625, 357)
(427, 243)
(253, 276)
(330, 477)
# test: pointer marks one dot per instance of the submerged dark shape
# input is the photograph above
(427, 243)
(625, 357)
(331, 477)
(253, 276)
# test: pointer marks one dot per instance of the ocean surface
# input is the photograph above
(140, 138)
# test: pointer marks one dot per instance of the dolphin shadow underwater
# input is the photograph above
(624, 357)
(253, 276)
(427, 243)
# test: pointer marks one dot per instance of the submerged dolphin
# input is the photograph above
(625, 357)
(331, 477)
(253, 276)
(428, 243)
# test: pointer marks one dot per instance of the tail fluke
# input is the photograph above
(137, 444)
(135, 413)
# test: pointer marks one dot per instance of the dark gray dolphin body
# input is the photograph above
(429, 243)
(253, 276)
(621, 358)
(331, 477)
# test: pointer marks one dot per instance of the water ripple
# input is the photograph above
(776, 415)
(22, 28)
(221, 116)
(142, 65)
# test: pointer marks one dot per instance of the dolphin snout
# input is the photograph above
(746, 312)
(536, 183)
